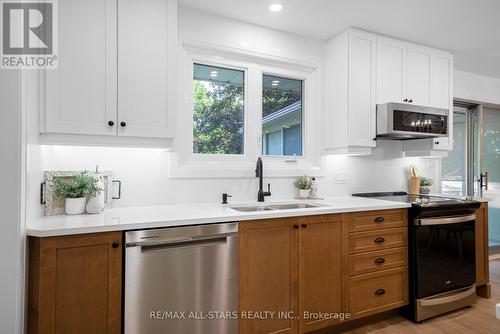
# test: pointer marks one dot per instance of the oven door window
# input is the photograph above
(445, 256)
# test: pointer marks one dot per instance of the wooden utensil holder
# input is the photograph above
(414, 185)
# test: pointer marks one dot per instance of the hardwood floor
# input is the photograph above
(479, 319)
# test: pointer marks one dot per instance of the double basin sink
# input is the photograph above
(275, 207)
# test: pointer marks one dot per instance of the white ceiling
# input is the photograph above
(470, 29)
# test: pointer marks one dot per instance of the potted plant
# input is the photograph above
(76, 191)
(425, 184)
(303, 183)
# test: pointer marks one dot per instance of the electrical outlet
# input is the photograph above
(340, 180)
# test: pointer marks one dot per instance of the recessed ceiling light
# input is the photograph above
(276, 7)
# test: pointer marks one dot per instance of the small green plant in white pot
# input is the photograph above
(425, 184)
(303, 183)
(76, 191)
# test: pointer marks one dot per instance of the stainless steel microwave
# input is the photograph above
(403, 121)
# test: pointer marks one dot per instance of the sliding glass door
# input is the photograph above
(472, 168)
(490, 168)
(454, 166)
(459, 170)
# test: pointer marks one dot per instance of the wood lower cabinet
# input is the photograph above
(320, 271)
(377, 292)
(75, 284)
(290, 265)
(268, 271)
(482, 253)
(376, 277)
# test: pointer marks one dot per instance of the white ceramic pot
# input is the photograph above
(75, 206)
(425, 190)
(304, 193)
(95, 204)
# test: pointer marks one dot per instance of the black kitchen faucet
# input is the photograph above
(258, 173)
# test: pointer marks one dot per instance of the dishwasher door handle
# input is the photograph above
(181, 243)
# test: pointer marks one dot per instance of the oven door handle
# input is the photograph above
(445, 220)
(448, 299)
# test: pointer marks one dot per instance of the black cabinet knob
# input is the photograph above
(123, 124)
(295, 226)
(379, 260)
(405, 100)
(379, 240)
(379, 292)
(115, 244)
(410, 100)
(111, 123)
(304, 225)
(436, 142)
(379, 220)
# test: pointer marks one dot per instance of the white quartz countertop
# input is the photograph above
(144, 217)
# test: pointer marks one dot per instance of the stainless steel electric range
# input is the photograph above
(441, 251)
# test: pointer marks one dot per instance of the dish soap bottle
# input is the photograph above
(313, 194)
(95, 204)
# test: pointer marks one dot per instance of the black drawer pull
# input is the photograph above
(295, 226)
(379, 240)
(304, 225)
(115, 244)
(379, 220)
(379, 292)
(379, 260)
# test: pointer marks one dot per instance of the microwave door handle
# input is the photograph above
(444, 220)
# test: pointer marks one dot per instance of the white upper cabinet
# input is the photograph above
(115, 65)
(419, 68)
(442, 91)
(362, 48)
(442, 94)
(146, 45)
(413, 74)
(362, 70)
(80, 96)
(350, 94)
(391, 70)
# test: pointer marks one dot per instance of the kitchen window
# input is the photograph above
(238, 107)
(281, 116)
(218, 110)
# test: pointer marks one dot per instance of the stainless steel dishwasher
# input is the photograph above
(182, 280)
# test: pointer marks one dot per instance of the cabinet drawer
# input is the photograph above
(365, 221)
(360, 242)
(378, 292)
(379, 260)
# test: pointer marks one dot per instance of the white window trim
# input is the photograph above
(186, 164)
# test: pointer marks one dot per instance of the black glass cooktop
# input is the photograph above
(425, 205)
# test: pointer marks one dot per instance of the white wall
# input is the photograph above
(200, 26)
(11, 204)
(476, 87)
(144, 172)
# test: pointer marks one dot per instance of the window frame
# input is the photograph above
(245, 85)
(184, 163)
(292, 75)
(232, 65)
